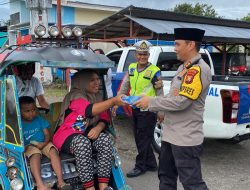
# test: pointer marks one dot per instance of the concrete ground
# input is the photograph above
(225, 166)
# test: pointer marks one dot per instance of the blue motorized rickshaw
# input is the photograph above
(14, 167)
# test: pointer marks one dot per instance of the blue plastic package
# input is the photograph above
(130, 100)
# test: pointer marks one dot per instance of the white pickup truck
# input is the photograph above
(227, 113)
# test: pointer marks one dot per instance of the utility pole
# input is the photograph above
(59, 15)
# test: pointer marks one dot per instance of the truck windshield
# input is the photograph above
(236, 63)
(168, 62)
(115, 56)
(129, 59)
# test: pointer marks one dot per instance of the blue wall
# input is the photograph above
(68, 15)
(24, 13)
(19, 6)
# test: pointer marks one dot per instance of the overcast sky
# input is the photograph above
(228, 9)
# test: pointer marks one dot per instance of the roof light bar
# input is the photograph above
(67, 32)
(53, 31)
(77, 31)
(40, 30)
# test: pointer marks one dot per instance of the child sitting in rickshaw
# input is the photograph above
(37, 143)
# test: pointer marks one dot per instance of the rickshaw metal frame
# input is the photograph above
(17, 149)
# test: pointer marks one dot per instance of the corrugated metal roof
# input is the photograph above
(167, 27)
(158, 23)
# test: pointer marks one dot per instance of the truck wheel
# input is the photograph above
(157, 137)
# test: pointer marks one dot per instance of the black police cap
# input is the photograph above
(192, 34)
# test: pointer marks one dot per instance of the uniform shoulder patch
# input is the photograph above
(191, 85)
(190, 75)
(131, 71)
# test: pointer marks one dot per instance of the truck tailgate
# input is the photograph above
(244, 105)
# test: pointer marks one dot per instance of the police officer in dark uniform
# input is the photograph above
(183, 107)
(143, 78)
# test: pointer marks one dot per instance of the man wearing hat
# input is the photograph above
(143, 78)
(182, 139)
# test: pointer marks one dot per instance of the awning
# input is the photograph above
(3, 38)
(142, 23)
(212, 31)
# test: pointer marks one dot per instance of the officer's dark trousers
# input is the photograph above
(182, 161)
(144, 124)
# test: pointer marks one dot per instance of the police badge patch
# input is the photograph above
(143, 45)
(148, 74)
(190, 76)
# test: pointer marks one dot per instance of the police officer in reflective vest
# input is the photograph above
(182, 139)
(143, 78)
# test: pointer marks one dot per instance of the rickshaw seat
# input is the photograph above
(63, 157)
(52, 116)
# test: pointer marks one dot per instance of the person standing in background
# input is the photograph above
(143, 78)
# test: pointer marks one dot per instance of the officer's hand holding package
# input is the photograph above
(143, 102)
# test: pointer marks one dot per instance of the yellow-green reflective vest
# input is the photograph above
(141, 82)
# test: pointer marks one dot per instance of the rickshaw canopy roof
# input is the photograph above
(59, 57)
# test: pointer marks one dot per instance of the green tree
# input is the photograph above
(4, 22)
(197, 9)
(246, 18)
